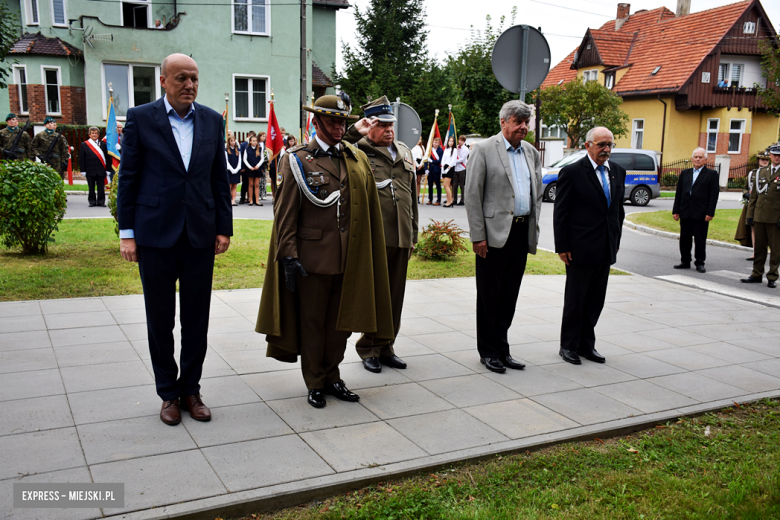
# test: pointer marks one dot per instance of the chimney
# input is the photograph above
(622, 15)
(683, 8)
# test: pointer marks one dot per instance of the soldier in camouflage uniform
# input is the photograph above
(60, 152)
(9, 134)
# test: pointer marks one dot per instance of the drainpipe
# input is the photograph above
(663, 128)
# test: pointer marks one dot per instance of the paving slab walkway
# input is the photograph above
(78, 404)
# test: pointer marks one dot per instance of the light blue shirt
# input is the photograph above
(522, 179)
(183, 131)
(695, 176)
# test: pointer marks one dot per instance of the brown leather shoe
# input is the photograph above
(198, 410)
(170, 413)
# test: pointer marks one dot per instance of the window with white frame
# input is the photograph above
(251, 16)
(249, 95)
(713, 125)
(609, 80)
(736, 129)
(730, 74)
(638, 134)
(590, 75)
(20, 79)
(553, 132)
(133, 84)
(136, 13)
(51, 84)
(58, 13)
(31, 10)
(749, 28)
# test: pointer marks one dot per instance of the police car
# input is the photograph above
(642, 173)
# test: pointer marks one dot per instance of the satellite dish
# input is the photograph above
(408, 128)
(521, 59)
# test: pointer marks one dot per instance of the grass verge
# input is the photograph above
(719, 465)
(76, 187)
(722, 227)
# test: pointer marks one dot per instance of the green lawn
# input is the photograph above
(722, 227)
(76, 187)
(720, 465)
(667, 194)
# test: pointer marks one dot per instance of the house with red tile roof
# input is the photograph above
(686, 79)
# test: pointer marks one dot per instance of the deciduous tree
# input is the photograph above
(770, 69)
(9, 33)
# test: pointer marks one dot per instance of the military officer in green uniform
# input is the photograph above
(326, 275)
(394, 170)
(8, 136)
(60, 151)
(764, 215)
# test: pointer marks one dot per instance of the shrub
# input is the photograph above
(32, 204)
(112, 201)
(441, 240)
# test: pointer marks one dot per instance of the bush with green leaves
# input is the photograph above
(32, 204)
(441, 240)
(112, 201)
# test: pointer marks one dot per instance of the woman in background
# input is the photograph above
(448, 161)
(233, 160)
(253, 159)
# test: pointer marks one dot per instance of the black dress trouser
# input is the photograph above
(96, 184)
(160, 268)
(499, 276)
(693, 230)
(434, 179)
(583, 301)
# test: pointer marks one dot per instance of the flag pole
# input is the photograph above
(227, 98)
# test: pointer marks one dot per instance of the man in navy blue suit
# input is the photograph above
(174, 216)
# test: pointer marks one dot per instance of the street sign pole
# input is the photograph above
(524, 64)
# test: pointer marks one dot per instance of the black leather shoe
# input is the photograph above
(393, 361)
(570, 356)
(751, 259)
(460, 203)
(751, 279)
(372, 365)
(316, 399)
(340, 391)
(701, 269)
(682, 266)
(511, 363)
(493, 364)
(92, 205)
(594, 356)
(771, 284)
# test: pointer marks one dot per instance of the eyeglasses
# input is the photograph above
(605, 145)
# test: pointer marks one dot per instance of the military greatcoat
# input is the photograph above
(764, 209)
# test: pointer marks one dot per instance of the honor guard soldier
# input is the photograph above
(764, 215)
(51, 147)
(327, 270)
(15, 142)
(393, 166)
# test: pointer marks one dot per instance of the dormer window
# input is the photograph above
(609, 80)
(749, 28)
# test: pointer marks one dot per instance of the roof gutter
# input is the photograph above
(663, 127)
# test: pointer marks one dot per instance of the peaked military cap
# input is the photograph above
(10, 116)
(380, 109)
(333, 106)
(774, 149)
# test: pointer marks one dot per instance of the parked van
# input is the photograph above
(642, 174)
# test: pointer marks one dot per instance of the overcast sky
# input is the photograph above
(563, 22)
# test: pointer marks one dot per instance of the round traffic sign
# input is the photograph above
(521, 47)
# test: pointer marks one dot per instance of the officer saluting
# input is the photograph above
(764, 215)
(51, 147)
(10, 136)
(394, 170)
(326, 274)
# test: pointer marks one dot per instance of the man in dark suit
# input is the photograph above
(694, 207)
(174, 216)
(587, 220)
(94, 162)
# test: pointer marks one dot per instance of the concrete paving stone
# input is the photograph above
(37, 452)
(687, 358)
(409, 314)
(469, 359)
(644, 396)
(221, 310)
(276, 385)
(538, 353)
(114, 403)
(302, 417)
(730, 331)
(586, 406)
(611, 312)
(442, 432)
(361, 446)
(610, 350)
(255, 361)
(676, 336)
(638, 342)
(232, 341)
(472, 333)
(95, 354)
(128, 316)
(742, 377)
(643, 366)
(640, 308)
(542, 314)
(729, 352)
(697, 386)
(141, 346)
(130, 301)
(108, 375)
(14, 309)
(235, 324)
(356, 377)
(86, 335)
(240, 295)
(247, 309)
(539, 332)
(160, 480)
(434, 366)
(415, 326)
(762, 345)
(590, 374)
(684, 318)
(25, 360)
(406, 346)
(533, 381)
(22, 324)
(769, 366)
(214, 366)
(237, 423)
(627, 323)
(457, 321)
(471, 390)
(226, 391)
(74, 320)
(131, 438)
(549, 298)
(520, 418)
(265, 462)
(24, 385)
(138, 331)
(37, 413)
(66, 476)
(394, 401)
(72, 305)
(24, 340)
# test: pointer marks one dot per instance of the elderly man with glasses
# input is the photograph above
(587, 220)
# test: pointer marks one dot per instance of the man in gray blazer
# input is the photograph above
(503, 202)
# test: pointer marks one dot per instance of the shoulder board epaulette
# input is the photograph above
(298, 147)
(352, 149)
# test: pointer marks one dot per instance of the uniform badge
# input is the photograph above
(279, 179)
(309, 158)
(324, 193)
(340, 104)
